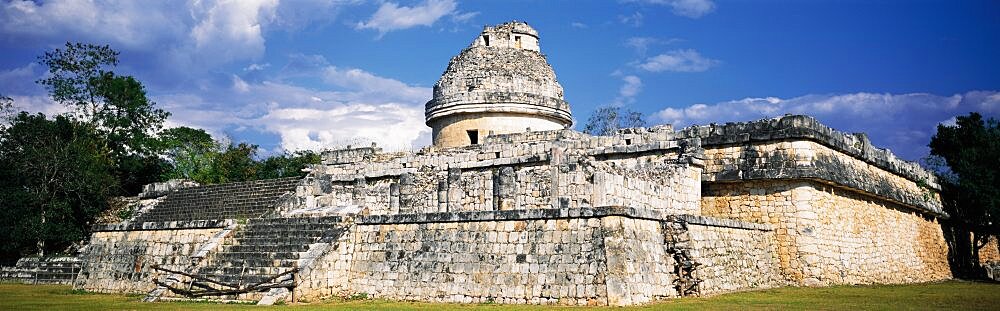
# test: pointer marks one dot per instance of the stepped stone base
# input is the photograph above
(48, 270)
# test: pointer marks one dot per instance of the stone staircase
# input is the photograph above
(239, 200)
(266, 247)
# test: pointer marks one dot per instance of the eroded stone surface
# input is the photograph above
(495, 212)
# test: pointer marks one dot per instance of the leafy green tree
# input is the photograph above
(55, 178)
(971, 184)
(190, 151)
(287, 165)
(74, 75)
(81, 77)
(235, 163)
(606, 120)
(127, 117)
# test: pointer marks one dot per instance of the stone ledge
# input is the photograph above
(557, 213)
(806, 127)
(165, 225)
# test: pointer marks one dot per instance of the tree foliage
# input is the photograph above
(55, 178)
(971, 184)
(58, 173)
(81, 77)
(194, 155)
(609, 119)
(74, 75)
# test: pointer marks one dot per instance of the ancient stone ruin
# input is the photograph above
(509, 206)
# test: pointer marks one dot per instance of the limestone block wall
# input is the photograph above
(827, 235)
(537, 261)
(734, 259)
(121, 261)
(639, 269)
(573, 256)
(991, 252)
(663, 186)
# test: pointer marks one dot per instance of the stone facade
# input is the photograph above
(546, 216)
(122, 261)
(827, 235)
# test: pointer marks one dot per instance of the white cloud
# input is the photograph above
(355, 106)
(368, 83)
(678, 61)
(395, 126)
(902, 122)
(631, 87)
(178, 35)
(15, 81)
(686, 8)
(130, 24)
(578, 25)
(642, 44)
(231, 30)
(634, 20)
(390, 16)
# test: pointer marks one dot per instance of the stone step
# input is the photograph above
(267, 241)
(266, 248)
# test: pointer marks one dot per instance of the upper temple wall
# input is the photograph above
(790, 147)
(799, 147)
(529, 170)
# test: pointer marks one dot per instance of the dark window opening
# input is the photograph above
(628, 141)
(487, 40)
(497, 154)
(517, 41)
(473, 136)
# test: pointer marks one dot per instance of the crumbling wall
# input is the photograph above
(121, 261)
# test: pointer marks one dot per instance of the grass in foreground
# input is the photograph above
(952, 295)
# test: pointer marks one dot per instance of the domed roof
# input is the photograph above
(501, 71)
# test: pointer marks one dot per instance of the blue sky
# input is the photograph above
(311, 75)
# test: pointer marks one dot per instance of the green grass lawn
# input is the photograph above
(951, 295)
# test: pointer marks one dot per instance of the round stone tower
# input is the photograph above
(500, 84)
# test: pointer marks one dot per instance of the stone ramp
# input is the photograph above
(238, 200)
(265, 248)
(48, 270)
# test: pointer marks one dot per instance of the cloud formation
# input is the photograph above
(686, 8)
(188, 35)
(390, 16)
(903, 123)
(355, 106)
(678, 61)
(190, 45)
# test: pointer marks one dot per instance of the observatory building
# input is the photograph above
(500, 84)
